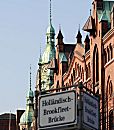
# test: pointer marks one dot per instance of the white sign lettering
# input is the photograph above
(57, 109)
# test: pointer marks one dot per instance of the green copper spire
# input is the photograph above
(48, 55)
(49, 52)
(50, 30)
(27, 117)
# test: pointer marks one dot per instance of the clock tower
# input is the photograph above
(47, 75)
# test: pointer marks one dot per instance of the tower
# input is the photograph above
(47, 75)
(28, 116)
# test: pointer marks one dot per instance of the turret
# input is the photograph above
(28, 116)
(60, 44)
(50, 31)
(79, 37)
(87, 43)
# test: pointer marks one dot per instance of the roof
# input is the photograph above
(27, 117)
(30, 93)
(89, 25)
(6, 116)
(50, 29)
(104, 14)
(62, 57)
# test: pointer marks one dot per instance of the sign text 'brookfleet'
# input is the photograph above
(57, 109)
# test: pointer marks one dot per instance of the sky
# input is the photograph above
(23, 25)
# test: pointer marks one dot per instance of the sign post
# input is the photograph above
(58, 109)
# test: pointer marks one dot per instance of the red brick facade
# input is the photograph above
(4, 121)
(91, 62)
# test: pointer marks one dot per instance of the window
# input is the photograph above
(111, 52)
(75, 69)
(73, 74)
(110, 89)
(80, 71)
(108, 54)
(82, 74)
(71, 79)
(57, 86)
(89, 70)
(95, 65)
(86, 72)
(105, 57)
(111, 120)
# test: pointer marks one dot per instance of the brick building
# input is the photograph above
(8, 120)
(91, 62)
(18, 116)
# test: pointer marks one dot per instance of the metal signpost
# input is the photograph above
(57, 109)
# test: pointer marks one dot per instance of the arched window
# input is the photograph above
(111, 52)
(74, 74)
(110, 89)
(86, 72)
(105, 57)
(75, 69)
(95, 65)
(89, 70)
(82, 74)
(71, 79)
(108, 54)
(80, 71)
(57, 86)
(111, 120)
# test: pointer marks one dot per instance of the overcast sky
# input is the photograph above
(23, 25)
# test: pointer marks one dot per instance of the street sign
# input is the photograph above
(57, 109)
(91, 111)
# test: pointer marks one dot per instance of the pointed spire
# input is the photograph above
(79, 28)
(87, 43)
(40, 59)
(30, 76)
(90, 12)
(59, 27)
(79, 36)
(50, 13)
(60, 36)
(87, 40)
(40, 50)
